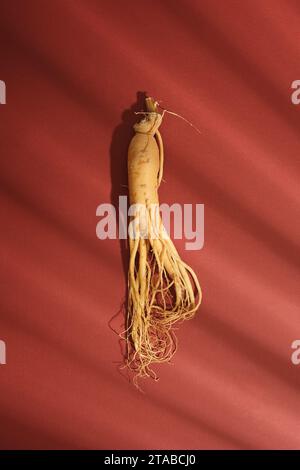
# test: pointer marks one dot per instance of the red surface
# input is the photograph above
(71, 69)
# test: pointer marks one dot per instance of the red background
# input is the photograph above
(73, 70)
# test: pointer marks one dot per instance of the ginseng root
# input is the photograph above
(162, 289)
